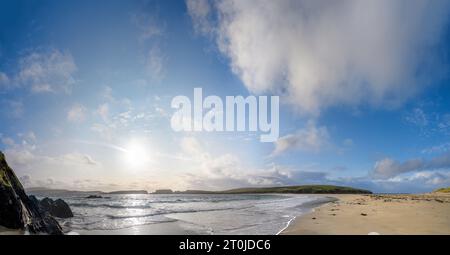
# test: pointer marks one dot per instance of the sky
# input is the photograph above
(86, 90)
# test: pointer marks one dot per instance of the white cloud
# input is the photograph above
(77, 113)
(311, 138)
(18, 154)
(429, 122)
(27, 141)
(26, 158)
(107, 94)
(120, 117)
(417, 117)
(8, 141)
(200, 12)
(432, 178)
(50, 71)
(28, 138)
(25, 180)
(78, 158)
(192, 147)
(225, 170)
(425, 181)
(148, 26)
(389, 168)
(327, 53)
(441, 148)
(161, 112)
(20, 157)
(443, 124)
(151, 30)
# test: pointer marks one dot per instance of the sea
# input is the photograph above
(203, 214)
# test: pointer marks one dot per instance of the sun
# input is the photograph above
(136, 154)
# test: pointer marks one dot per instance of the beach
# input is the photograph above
(7, 231)
(427, 214)
(328, 214)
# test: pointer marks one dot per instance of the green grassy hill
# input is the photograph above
(443, 190)
(303, 189)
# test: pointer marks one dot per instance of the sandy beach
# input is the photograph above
(7, 231)
(377, 214)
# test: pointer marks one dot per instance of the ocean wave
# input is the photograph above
(105, 225)
(148, 204)
(169, 212)
(110, 206)
(274, 213)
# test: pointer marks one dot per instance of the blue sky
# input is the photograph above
(86, 86)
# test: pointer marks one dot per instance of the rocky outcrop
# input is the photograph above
(17, 210)
(56, 208)
(93, 196)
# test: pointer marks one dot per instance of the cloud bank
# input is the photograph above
(321, 54)
(388, 168)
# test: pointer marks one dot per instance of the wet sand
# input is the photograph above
(166, 228)
(377, 214)
(8, 231)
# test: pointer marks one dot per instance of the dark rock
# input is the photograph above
(62, 209)
(58, 208)
(94, 196)
(17, 210)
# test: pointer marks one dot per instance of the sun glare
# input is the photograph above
(136, 154)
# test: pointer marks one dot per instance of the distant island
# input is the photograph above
(163, 191)
(301, 189)
(125, 192)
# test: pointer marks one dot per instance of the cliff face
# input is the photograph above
(17, 210)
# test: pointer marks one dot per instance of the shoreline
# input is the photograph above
(322, 200)
(331, 214)
(287, 225)
(376, 214)
(182, 223)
